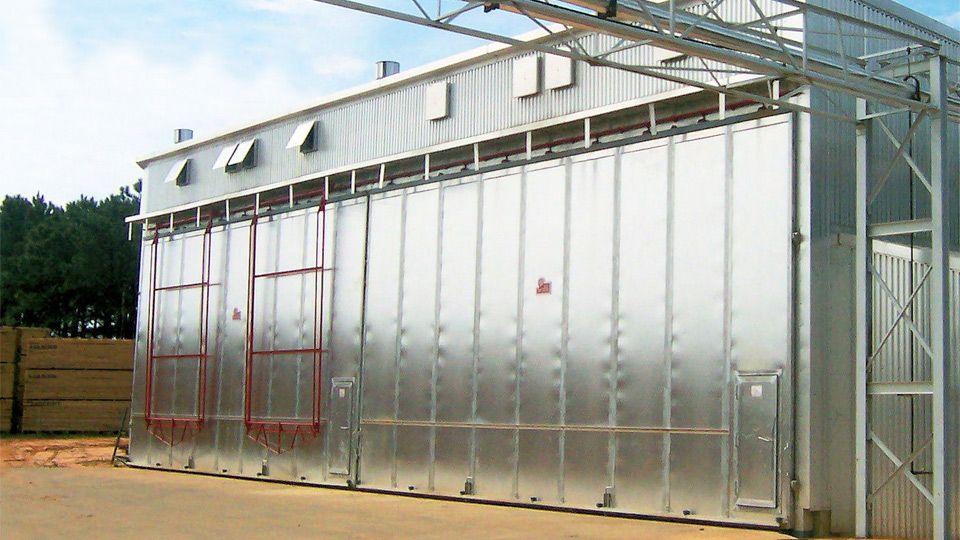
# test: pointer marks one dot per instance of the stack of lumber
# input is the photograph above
(11, 385)
(8, 369)
(75, 384)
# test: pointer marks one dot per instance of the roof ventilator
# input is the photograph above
(179, 174)
(304, 137)
(241, 155)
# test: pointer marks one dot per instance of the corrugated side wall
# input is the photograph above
(903, 422)
(833, 174)
(900, 510)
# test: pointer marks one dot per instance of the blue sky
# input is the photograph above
(89, 86)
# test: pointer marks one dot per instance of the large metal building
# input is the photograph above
(518, 276)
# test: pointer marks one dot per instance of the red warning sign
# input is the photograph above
(544, 286)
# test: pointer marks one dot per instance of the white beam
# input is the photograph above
(944, 416)
(863, 308)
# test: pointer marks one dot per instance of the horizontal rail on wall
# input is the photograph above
(547, 427)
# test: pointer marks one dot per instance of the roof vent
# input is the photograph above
(182, 134)
(386, 68)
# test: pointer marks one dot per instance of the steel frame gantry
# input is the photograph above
(935, 342)
(766, 48)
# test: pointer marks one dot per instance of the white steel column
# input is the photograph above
(943, 413)
(863, 314)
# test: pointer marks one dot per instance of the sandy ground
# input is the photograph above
(63, 488)
(107, 502)
(20, 451)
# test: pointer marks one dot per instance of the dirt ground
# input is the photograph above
(51, 488)
(22, 451)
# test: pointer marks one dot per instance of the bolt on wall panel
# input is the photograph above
(589, 364)
(457, 304)
(382, 309)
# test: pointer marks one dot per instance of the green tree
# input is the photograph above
(72, 270)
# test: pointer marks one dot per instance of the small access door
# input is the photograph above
(756, 440)
(340, 448)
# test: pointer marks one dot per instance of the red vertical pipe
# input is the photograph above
(250, 292)
(318, 310)
(204, 322)
(148, 406)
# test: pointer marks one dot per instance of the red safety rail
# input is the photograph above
(279, 435)
(173, 429)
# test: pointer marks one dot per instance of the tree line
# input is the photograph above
(71, 269)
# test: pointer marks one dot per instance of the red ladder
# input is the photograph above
(170, 428)
(276, 434)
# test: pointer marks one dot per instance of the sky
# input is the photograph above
(87, 87)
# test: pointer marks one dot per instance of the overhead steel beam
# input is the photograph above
(741, 49)
(590, 59)
(764, 55)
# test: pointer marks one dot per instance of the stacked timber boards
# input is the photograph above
(75, 384)
(10, 384)
(8, 369)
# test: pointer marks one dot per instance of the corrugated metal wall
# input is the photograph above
(903, 422)
(833, 175)
(393, 122)
(900, 510)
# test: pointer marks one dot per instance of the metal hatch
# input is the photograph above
(755, 446)
(341, 425)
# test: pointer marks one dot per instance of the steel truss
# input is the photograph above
(935, 342)
(728, 54)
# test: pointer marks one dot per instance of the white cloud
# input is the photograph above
(86, 92)
(342, 66)
(952, 19)
(75, 123)
(280, 6)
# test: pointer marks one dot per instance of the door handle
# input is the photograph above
(764, 439)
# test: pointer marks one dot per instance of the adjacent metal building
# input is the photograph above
(512, 276)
